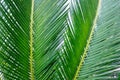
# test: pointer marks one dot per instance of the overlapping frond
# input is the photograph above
(14, 39)
(80, 21)
(30, 35)
(49, 24)
(51, 40)
(103, 59)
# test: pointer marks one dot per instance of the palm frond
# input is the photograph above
(49, 21)
(30, 34)
(80, 21)
(59, 40)
(103, 59)
(14, 40)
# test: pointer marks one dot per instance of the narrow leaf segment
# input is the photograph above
(31, 42)
(88, 42)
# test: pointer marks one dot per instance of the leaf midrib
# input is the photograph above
(31, 42)
(88, 42)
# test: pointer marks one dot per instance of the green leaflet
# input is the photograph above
(14, 39)
(49, 21)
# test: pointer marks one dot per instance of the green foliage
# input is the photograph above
(53, 43)
(103, 59)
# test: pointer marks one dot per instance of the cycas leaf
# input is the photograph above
(103, 59)
(59, 39)
(80, 22)
(30, 34)
(14, 40)
(49, 21)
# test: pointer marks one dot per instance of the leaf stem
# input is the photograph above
(31, 42)
(88, 42)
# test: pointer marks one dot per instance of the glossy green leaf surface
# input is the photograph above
(14, 40)
(80, 21)
(103, 59)
(29, 36)
(59, 39)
